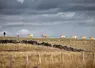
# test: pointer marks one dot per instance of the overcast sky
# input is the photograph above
(52, 17)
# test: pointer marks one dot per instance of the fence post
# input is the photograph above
(39, 56)
(51, 57)
(83, 57)
(11, 61)
(52, 45)
(27, 60)
(62, 58)
(93, 59)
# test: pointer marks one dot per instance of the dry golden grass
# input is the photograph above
(47, 57)
(27, 47)
(47, 60)
(86, 44)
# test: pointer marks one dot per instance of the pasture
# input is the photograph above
(86, 44)
(20, 55)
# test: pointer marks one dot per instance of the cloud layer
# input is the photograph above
(69, 17)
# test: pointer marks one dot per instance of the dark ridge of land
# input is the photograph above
(67, 48)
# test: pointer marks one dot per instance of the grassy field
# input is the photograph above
(26, 47)
(32, 56)
(88, 45)
(45, 60)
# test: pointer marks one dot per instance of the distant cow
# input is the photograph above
(74, 37)
(92, 38)
(30, 35)
(62, 36)
(44, 36)
(83, 37)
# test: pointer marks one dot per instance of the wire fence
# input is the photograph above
(50, 58)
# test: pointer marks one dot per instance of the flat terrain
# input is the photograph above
(88, 45)
(21, 55)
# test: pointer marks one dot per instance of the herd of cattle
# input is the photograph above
(67, 48)
(63, 36)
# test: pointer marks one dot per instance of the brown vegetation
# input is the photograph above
(21, 55)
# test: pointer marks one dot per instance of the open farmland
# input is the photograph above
(20, 55)
(88, 45)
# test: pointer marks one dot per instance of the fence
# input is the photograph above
(58, 57)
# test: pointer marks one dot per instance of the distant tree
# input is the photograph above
(4, 34)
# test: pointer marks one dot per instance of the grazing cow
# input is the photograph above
(74, 37)
(44, 36)
(92, 38)
(62, 36)
(30, 35)
(83, 37)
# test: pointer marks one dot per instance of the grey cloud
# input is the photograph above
(69, 17)
(28, 11)
(47, 19)
(14, 7)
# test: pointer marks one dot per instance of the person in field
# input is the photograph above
(4, 34)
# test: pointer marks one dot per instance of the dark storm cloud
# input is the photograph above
(15, 7)
(36, 16)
